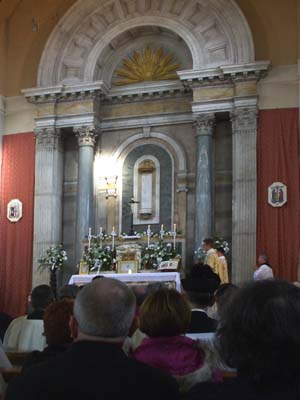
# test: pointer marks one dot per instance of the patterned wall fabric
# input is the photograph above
(278, 232)
(17, 181)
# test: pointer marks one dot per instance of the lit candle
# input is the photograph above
(129, 271)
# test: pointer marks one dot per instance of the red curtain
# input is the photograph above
(278, 229)
(17, 182)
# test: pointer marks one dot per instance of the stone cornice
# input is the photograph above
(227, 74)
(224, 105)
(63, 93)
(163, 119)
(147, 91)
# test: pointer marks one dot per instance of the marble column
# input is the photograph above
(85, 192)
(244, 200)
(48, 196)
(204, 125)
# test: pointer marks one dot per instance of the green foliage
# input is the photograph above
(156, 253)
(54, 258)
(97, 257)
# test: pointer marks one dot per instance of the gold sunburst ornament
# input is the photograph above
(147, 65)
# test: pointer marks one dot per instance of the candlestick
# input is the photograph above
(113, 234)
(89, 238)
(101, 236)
(149, 234)
(174, 236)
(162, 232)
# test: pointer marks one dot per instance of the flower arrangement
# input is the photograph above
(156, 253)
(219, 241)
(98, 258)
(54, 258)
(200, 254)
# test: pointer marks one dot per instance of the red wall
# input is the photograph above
(17, 181)
(278, 229)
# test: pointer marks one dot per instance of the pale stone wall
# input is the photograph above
(19, 115)
(280, 89)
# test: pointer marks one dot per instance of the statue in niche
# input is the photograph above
(146, 181)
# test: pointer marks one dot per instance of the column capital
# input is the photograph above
(86, 135)
(204, 124)
(49, 137)
(244, 119)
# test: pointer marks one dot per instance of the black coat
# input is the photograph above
(201, 323)
(38, 357)
(243, 389)
(91, 371)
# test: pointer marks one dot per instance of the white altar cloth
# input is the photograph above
(140, 277)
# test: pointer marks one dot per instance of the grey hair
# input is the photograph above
(105, 308)
(265, 257)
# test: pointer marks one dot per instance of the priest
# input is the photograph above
(213, 260)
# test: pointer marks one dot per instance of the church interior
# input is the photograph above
(140, 137)
(188, 108)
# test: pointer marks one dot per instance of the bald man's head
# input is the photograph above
(105, 308)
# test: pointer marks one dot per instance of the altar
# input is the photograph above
(172, 278)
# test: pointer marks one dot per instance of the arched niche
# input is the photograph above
(215, 32)
(162, 192)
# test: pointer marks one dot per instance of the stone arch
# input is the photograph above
(175, 151)
(215, 31)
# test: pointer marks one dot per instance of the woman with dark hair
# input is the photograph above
(56, 330)
(259, 334)
(223, 295)
(165, 318)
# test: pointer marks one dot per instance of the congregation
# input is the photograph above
(211, 340)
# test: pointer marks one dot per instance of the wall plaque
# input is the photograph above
(14, 210)
(277, 194)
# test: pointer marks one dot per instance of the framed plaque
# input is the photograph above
(14, 210)
(128, 267)
(277, 194)
(83, 268)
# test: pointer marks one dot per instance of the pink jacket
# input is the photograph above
(181, 357)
